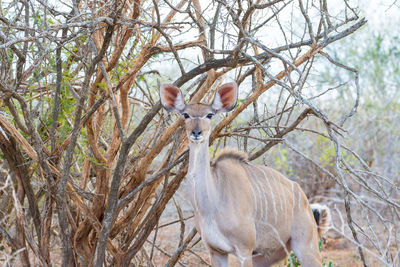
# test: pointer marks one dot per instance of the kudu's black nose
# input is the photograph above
(196, 133)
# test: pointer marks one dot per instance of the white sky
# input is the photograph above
(381, 12)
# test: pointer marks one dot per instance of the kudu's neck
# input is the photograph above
(204, 187)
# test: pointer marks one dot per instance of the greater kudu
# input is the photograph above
(248, 210)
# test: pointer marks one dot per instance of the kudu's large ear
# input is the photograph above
(172, 98)
(225, 98)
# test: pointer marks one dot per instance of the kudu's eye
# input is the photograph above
(185, 115)
(210, 115)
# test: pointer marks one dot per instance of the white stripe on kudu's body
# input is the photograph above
(248, 210)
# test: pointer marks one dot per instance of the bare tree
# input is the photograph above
(91, 160)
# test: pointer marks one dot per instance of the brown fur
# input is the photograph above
(324, 223)
(231, 154)
(323, 219)
(248, 210)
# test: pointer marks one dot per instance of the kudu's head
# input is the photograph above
(198, 116)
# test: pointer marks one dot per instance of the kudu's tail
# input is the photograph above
(322, 216)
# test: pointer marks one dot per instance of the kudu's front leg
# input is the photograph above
(221, 260)
(218, 259)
